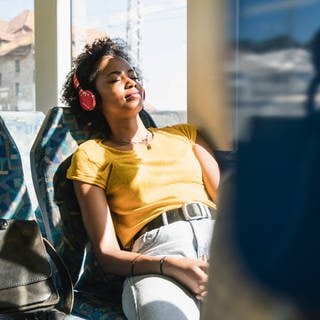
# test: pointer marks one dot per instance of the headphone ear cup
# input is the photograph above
(87, 100)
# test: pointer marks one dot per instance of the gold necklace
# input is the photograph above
(146, 141)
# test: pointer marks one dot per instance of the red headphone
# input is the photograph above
(86, 97)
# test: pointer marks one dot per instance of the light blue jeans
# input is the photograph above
(156, 297)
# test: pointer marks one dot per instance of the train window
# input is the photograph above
(17, 66)
(156, 33)
(17, 85)
(273, 59)
(17, 55)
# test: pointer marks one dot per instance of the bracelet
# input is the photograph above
(162, 260)
(133, 263)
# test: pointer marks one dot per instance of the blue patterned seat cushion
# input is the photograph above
(15, 202)
(96, 305)
(53, 144)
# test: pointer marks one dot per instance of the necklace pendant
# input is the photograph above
(146, 141)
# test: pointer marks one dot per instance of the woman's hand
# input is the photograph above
(189, 272)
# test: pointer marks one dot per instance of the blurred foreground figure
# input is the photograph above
(266, 247)
(265, 258)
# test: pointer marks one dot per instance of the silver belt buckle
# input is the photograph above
(204, 211)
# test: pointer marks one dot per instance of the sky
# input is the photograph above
(9, 9)
(300, 17)
(163, 32)
(163, 29)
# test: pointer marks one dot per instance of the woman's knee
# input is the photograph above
(157, 297)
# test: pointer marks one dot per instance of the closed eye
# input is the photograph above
(134, 78)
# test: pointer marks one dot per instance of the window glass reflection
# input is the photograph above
(273, 59)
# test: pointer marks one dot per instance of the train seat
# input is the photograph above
(15, 202)
(97, 294)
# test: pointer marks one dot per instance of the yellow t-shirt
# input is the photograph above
(140, 184)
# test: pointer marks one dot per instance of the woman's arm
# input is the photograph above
(98, 222)
(99, 226)
(210, 168)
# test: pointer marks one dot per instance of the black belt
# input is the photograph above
(189, 211)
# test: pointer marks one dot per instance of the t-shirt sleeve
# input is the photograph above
(188, 131)
(85, 169)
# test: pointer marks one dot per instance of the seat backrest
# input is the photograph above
(74, 238)
(15, 202)
(23, 127)
(57, 139)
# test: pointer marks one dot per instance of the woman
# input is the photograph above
(146, 195)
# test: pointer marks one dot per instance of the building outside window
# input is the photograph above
(17, 65)
(17, 85)
(17, 55)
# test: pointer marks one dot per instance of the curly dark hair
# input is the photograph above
(86, 68)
